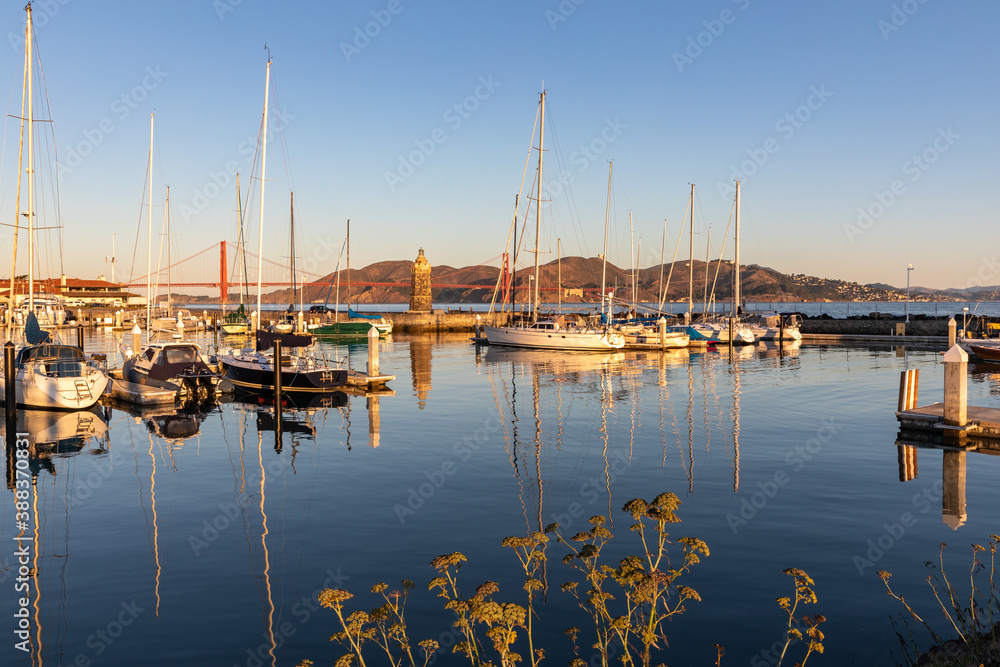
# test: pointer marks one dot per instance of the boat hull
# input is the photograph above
(256, 372)
(352, 329)
(650, 340)
(35, 389)
(554, 340)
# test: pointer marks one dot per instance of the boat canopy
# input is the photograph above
(365, 316)
(265, 340)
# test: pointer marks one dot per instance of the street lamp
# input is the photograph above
(909, 267)
(965, 311)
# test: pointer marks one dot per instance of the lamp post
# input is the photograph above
(909, 267)
(965, 312)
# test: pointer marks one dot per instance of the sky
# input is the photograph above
(863, 132)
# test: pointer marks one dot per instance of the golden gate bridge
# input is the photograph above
(215, 266)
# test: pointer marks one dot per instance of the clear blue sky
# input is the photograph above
(820, 108)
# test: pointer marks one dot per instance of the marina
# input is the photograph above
(239, 509)
(558, 443)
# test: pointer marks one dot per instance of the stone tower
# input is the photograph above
(420, 284)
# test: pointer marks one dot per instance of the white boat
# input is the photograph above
(649, 338)
(53, 376)
(775, 327)
(551, 334)
(47, 374)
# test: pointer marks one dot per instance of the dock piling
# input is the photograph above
(10, 396)
(136, 340)
(951, 333)
(79, 336)
(908, 383)
(373, 352)
(956, 393)
(661, 328)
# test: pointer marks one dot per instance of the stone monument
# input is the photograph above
(420, 284)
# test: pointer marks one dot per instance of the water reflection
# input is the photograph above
(420, 367)
(953, 507)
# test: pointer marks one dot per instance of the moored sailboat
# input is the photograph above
(554, 333)
(47, 374)
(254, 368)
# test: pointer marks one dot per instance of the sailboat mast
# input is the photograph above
(559, 272)
(607, 221)
(348, 267)
(20, 171)
(538, 201)
(170, 303)
(263, 168)
(291, 218)
(149, 234)
(240, 248)
(663, 247)
(31, 175)
(736, 269)
(631, 252)
(691, 259)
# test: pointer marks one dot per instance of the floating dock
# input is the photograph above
(139, 394)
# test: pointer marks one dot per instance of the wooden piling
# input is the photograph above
(373, 352)
(908, 384)
(951, 333)
(956, 393)
(10, 395)
(136, 340)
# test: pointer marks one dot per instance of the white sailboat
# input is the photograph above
(47, 374)
(558, 333)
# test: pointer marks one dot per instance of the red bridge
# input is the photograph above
(195, 271)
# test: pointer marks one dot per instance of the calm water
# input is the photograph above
(167, 539)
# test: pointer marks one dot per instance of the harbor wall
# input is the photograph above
(464, 320)
(875, 327)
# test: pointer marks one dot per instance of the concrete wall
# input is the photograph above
(872, 327)
(437, 320)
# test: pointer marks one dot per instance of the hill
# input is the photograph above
(389, 282)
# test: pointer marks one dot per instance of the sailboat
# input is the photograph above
(254, 368)
(558, 333)
(357, 325)
(707, 332)
(47, 374)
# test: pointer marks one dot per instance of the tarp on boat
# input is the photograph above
(265, 339)
(365, 316)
